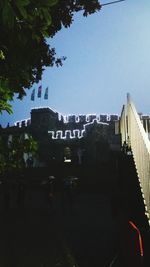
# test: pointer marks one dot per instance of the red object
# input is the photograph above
(140, 238)
(131, 248)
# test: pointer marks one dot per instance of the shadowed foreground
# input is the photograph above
(37, 232)
(82, 235)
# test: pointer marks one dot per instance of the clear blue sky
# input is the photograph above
(108, 55)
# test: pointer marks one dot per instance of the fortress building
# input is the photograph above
(80, 138)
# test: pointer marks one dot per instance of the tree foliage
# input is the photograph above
(25, 26)
(12, 153)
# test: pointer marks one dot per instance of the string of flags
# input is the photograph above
(39, 93)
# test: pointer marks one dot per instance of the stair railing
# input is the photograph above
(132, 132)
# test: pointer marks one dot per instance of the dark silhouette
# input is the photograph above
(30, 162)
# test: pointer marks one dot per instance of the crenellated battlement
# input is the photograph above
(75, 133)
(65, 127)
(23, 123)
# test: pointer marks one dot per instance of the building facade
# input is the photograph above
(78, 138)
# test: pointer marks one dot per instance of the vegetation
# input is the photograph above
(12, 152)
(25, 26)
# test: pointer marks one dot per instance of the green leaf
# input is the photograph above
(47, 17)
(5, 106)
(22, 2)
(21, 5)
(53, 2)
(8, 14)
(2, 56)
(49, 3)
(22, 11)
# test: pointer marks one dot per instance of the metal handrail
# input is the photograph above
(133, 132)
